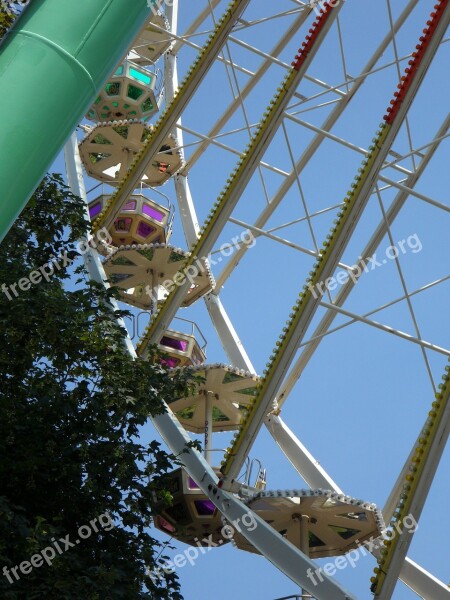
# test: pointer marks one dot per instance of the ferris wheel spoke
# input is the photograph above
(392, 168)
(306, 305)
(423, 583)
(167, 121)
(422, 469)
(245, 169)
(317, 141)
(246, 90)
(219, 317)
(368, 251)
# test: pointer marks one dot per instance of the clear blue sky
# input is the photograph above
(365, 394)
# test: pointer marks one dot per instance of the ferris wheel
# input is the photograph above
(272, 175)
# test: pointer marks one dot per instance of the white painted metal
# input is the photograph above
(279, 551)
(91, 258)
(390, 505)
(300, 458)
(336, 252)
(222, 323)
(414, 576)
(423, 583)
(227, 334)
(216, 228)
(208, 427)
(405, 538)
(303, 521)
(316, 142)
(368, 251)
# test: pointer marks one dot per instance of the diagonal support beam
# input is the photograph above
(368, 251)
(418, 579)
(243, 173)
(246, 90)
(335, 244)
(417, 484)
(297, 454)
(172, 113)
(304, 159)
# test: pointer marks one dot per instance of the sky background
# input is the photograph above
(364, 396)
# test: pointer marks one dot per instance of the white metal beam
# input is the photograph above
(411, 574)
(316, 142)
(240, 178)
(285, 354)
(92, 262)
(405, 538)
(222, 323)
(246, 90)
(300, 458)
(368, 251)
(193, 27)
(231, 342)
(387, 328)
(423, 583)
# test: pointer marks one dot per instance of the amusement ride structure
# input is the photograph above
(142, 163)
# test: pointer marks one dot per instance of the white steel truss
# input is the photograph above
(413, 575)
(400, 174)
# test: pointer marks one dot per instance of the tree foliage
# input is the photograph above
(9, 12)
(72, 406)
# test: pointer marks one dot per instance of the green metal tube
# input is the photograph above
(52, 65)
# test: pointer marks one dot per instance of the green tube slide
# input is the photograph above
(52, 64)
